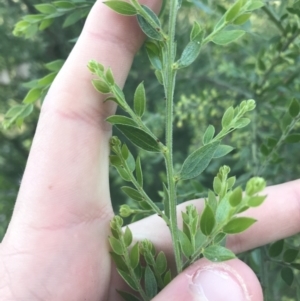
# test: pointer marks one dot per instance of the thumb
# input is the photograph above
(206, 281)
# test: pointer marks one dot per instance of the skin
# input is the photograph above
(56, 245)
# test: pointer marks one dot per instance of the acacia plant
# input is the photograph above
(201, 234)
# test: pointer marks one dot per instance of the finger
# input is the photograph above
(278, 217)
(66, 177)
(228, 281)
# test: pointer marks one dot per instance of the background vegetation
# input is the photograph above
(263, 65)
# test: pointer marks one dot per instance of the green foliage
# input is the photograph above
(259, 61)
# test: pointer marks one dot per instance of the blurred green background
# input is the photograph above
(263, 65)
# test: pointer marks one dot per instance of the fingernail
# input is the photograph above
(218, 283)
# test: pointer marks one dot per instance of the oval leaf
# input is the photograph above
(209, 134)
(132, 193)
(128, 279)
(150, 283)
(140, 100)
(117, 119)
(32, 96)
(139, 138)
(238, 225)
(222, 151)
(189, 54)
(121, 7)
(127, 237)
(161, 262)
(287, 275)
(276, 248)
(293, 138)
(116, 246)
(197, 161)
(226, 37)
(207, 221)
(185, 244)
(217, 253)
(135, 256)
(153, 33)
(294, 108)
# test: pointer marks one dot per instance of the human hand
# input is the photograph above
(56, 245)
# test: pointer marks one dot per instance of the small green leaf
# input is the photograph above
(150, 283)
(118, 119)
(217, 253)
(128, 279)
(209, 134)
(73, 18)
(207, 221)
(153, 52)
(189, 54)
(196, 30)
(255, 5)
(228, 117)
(116, 246)
(242, 19)
(185, 244)
(293, 138)
(200, 239)
(119, 261)
(294, 108)
(140, 138)
(121, 7)
(224, 211)
(159, 77)
(32, 96)
(47, 80)
(241, 123)
(110, 77)
(167, 278)
(217, 185)
(101, 86)
(231, 182)
(226, 37)
(212, 200)
(197, 161)
(233, 11)
(64, 4)
(256, 201)
(45, 24)
(127, 237)
(153, 33)
(290, 255)
(222, 151)
(287, 275)
(238, 225)
(132, 193)
(236, 197)
(276, 248)
(139, 172)
(127, 296)
(140, 100)
(45, 8)
(55, 66)
(161, 262)
(123, 173)
(135, 256)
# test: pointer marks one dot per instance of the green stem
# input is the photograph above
(143, 193)
(132, 273)
(169, 82)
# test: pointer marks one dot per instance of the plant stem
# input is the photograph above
(169, 85)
